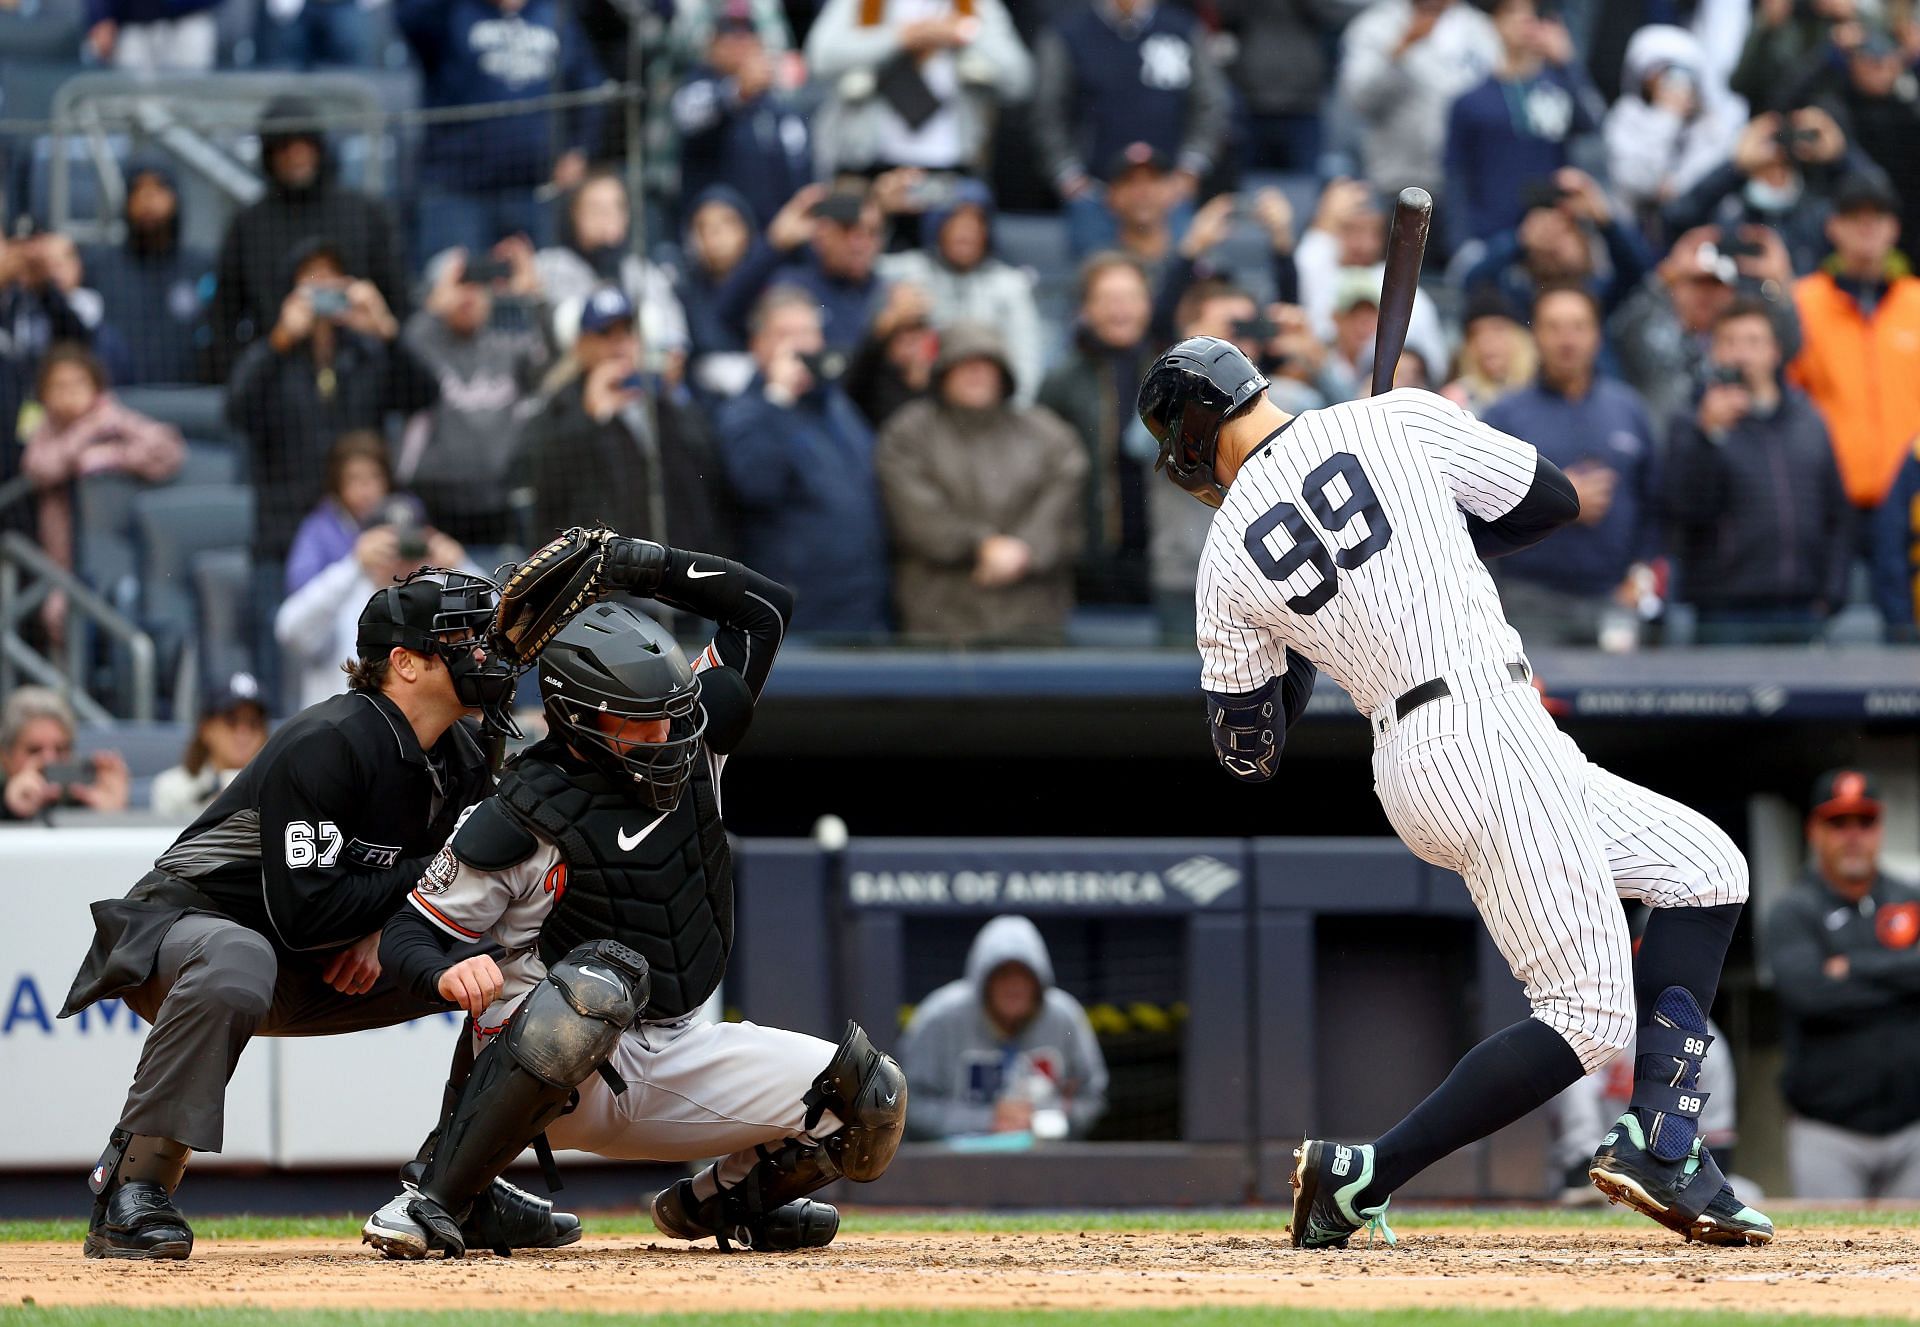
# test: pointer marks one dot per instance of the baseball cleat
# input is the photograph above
(392, 1229)
(138, 1220)
(505, 1217)
(1689, 1196)
(800, 1224)
(1327, 1178)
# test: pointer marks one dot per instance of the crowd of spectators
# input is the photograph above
(877, 318)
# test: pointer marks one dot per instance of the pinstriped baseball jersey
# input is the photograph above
(1344, 538)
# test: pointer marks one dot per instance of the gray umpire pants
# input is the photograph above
(1827, 1162)
(215, 986)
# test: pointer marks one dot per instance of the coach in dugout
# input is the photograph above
(1846, 962)
(264, 917)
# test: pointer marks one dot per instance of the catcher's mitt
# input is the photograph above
(545, 591)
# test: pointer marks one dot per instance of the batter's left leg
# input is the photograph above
(1696, 881)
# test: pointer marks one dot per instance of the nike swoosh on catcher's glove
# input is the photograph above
(545, 592)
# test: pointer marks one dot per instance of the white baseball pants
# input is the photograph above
(1481, 782)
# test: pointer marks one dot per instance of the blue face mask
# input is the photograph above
(1772, 199)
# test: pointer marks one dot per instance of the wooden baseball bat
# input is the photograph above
(1406, 247)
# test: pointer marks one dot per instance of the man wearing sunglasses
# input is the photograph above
(1847, 966)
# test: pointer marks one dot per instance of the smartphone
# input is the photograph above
(1255, 329)
(69, 773)
(1542, 192)
(327, 301)
(1732, 246)
(1725, 375)
(486, 271)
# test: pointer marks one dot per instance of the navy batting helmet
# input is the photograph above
(1188, 393)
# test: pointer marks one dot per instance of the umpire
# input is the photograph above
(264, 916)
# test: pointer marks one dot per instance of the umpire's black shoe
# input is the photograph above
(138, 1220)
(800, 1224)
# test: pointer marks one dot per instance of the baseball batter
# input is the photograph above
(1350, 539)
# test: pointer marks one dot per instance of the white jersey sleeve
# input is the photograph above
(1237, 653)
(466, 902)
(1487, 470)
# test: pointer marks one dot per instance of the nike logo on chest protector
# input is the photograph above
(628, 842)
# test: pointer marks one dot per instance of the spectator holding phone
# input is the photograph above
(1783, 173)
(1554, 245)
(332, 363)
(1765, 532)
(455, 455)
(737, 126)
(359, 488)
(838, 265)
(1661, 334)
(799, 465)
(230, 731)
(610, 444)
(38, 765)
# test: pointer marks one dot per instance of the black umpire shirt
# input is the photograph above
(313, 846)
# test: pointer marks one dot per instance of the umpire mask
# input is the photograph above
(444, 612)
(1186, 396)
(616, 662)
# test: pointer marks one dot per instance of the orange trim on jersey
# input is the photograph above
(439, 916)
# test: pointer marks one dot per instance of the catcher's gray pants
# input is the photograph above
(216, 985)
(1829, 1162)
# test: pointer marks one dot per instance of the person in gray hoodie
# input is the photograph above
(1002, 1047)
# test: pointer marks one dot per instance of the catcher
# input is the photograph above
(600, 867)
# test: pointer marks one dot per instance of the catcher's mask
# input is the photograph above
(444, 612)
(613, 660)
(1186, 396)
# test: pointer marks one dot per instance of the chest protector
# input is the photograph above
(665, 889)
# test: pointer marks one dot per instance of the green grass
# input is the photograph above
(1197, 1317)
(347, 1227)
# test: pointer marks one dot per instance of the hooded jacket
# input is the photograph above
(992, 293)
(716, 311)
(474, 53)
(155, 291)
(1652, 154)
(953, 477)
(958, 1065)
(250, 277)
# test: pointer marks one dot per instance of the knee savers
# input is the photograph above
(867, 1092)
(564, 1030)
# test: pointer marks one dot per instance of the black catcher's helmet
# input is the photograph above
(438, 610)
(616, 661)
(1188, 393)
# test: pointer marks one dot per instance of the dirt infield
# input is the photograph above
(1836, 1270)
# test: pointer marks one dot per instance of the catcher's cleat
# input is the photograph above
(137, 1220)
(505, 1217)
(800, 1224)
(1327, 1179)
(1688, 1195)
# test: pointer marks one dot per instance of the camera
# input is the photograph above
(410, 537)
(1255, 329)
(327, 301)
(1730, 245)
(1543, 192)
(824, 365)
(1725, 375)
(1791, 138)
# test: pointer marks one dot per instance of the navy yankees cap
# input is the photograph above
(227, 694)
(1845, 792)
(606, 308)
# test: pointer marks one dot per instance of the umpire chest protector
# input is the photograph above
(659, 882)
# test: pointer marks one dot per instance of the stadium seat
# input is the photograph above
(209, 463)
(174, 525)
(198, 412)
(104, 551)
(222, 578)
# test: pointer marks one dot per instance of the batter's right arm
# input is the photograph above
(1256, 688)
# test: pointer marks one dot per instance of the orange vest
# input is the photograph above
(1864, 376)
(872, 12)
